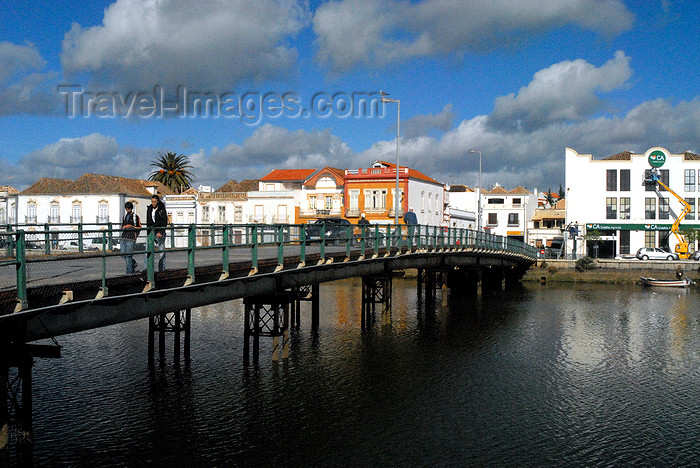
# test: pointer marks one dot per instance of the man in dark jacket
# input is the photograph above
(130, 230)
(156, 221)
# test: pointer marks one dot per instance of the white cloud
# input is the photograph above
(206, 44)
(22, 89)
(564, 92)
(426, 123)
(379, 32)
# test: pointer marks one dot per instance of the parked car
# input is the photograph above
(654, 253)
(695, 255)
(336, 230)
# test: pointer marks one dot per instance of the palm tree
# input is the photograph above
(173, 171)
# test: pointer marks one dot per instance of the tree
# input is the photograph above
(562, 194)
(173, 171)
(549, 199)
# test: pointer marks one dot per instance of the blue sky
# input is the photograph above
(518, 80)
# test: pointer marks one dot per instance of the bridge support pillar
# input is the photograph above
(177, 323)
(305, 293)
(513, 276)
(376, 290)
(492, 279)
(315, 306)
(420, 280)
(267, 316)
(16, 361)
(432, 280)
(462, 281)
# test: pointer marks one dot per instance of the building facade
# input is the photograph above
(322, 195)
(616, 213)
(371, 191)
(508, 213)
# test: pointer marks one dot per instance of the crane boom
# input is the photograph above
(682, 246)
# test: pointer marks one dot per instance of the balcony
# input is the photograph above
(102, 219)
(280, 219)
(256, 219)
(353, 213)
(30, 219)
(54, 219)
(76, 219)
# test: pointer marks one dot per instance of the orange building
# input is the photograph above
(371, 191)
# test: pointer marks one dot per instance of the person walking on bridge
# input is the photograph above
(157, 220)
(130, 230)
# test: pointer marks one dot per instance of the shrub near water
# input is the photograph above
(585, 263)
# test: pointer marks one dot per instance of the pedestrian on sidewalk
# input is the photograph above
(156, 221)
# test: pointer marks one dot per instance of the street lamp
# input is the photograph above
(397, 195)
(479, 190)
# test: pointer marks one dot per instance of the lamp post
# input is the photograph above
(479, 190)
(397, 195)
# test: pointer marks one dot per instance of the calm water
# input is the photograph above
(544, 376)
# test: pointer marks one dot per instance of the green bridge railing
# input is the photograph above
(31, 256)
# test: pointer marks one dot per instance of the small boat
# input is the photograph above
(675, 283)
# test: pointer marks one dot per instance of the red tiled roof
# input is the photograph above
(624, 156)
(688, 156)
(95, 184)
(520, 190)
(46, 185)
(288, 174)
(337, 174)
(497, 190)
(411, 172)
(10, 190)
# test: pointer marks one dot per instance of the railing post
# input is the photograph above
(103, 291)
(376, 240)
(348, 241)
(418, 246)
(47, 240)
(172, 236)
(323, 242)
(302, 241)
(150, 256)
(21, 258)
(80, 237)
(254, 252)
(363, 236)
(110, 237)
(388, 239)
(191, 244)
(280, 247)
(399, 240)
(411, 230)
(225, 253)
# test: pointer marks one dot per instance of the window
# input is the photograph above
(180, 217)
(375, 199)
(103, 213)
(517, 201)
(430, 202)
(190, 217)
(495, 201)
(663, 175)
(649, 239)
(664, 209)
(355, 200)
(691, 213)
(493, 219)
(624, 242)
(624, 180)
(422, 202)
(54, 216)
(205, 214)
(221, 218)
(281, 214)
(650, 209)
(689, 180)
(312, 202)
(624, 208)
(513, 219)
(238, 214)
(77, 213)
(611, 182)
(31, 213)
(2, 215)
(611, 208)
(259, 214)
(269, 187)
(328, 202)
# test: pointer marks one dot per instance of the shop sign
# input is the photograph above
(657, 158)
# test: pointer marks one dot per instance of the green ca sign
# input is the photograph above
(657, 158)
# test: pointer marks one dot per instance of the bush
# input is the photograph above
(543, 264)
(585, 263)
(552, 269)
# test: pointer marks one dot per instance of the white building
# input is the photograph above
(547, 224)
(606, 198)
(461, 207)
(7, 204)
(322, 195)
(508, 213)
(279, 194)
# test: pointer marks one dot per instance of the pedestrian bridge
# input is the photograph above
(66, 279)
(48, 289)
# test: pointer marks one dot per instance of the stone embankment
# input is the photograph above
(610, 271)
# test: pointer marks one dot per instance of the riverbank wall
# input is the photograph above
(610, 271)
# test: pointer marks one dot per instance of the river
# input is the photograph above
(540, 376)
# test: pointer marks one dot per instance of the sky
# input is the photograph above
(103, 86)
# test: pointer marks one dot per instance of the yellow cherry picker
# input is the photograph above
(651, 178)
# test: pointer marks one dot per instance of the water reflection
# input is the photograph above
(537, 376)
